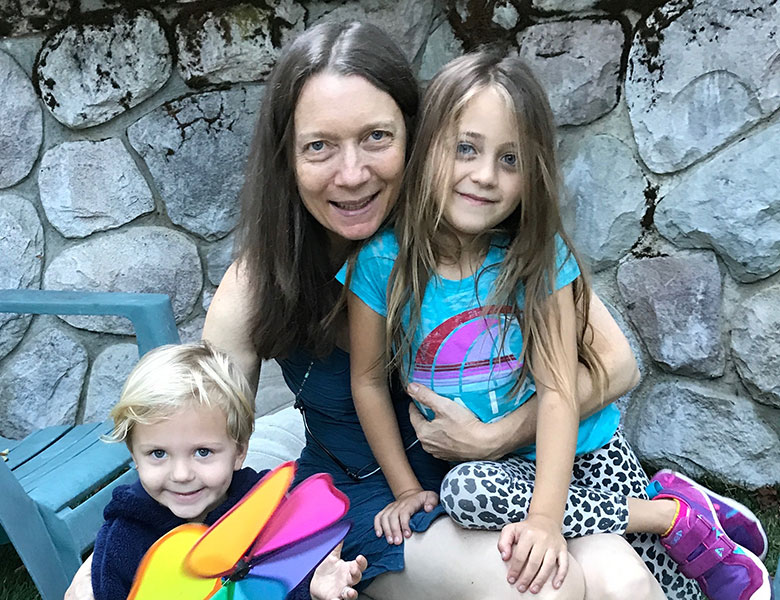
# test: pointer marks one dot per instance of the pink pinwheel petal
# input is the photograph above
(311, 507)
(293, 563)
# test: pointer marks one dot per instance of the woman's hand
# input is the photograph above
(81, 586)
(393, 520)
(454, 434)
(535, 550)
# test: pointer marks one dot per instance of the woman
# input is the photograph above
(326, 167)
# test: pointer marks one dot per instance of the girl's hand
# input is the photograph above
(535, 550)
(393, 520)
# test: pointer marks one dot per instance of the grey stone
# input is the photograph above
(91, 186)
(675, 304)
(200, 195)
(441, 47)
(192, 330)
(109, 372)
(40, 385)
(234, 43)
(272, 391)
(20, 17)
(703, 431)
(698, 77)
(21, 249)
(755, 344)
(505, 14)
(731, 204)
(578, 62)
(219, 257)
(140, 259)
(568, 6)
(208, 296)
(407, 21)
(21, 128)
(90, 73)
(603, 207)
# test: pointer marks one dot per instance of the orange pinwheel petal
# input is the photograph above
(227, 541)
(161, 574)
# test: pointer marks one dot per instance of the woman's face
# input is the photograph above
(350, 142)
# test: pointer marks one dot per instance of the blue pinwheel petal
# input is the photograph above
(291, 564)
(259, 588)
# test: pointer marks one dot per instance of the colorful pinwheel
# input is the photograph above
(262, 548)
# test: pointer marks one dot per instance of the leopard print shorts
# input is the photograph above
(490, 494)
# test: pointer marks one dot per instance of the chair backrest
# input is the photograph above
(58, 480)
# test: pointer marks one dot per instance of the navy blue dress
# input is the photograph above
(331, 418)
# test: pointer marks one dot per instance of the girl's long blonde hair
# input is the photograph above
(425, 239)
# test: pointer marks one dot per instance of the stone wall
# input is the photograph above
(124, 132)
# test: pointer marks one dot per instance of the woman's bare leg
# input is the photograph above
(613, 570)
(450, 563)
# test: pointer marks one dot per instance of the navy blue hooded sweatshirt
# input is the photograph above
(134, 521)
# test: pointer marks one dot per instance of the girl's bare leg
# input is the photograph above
(450, 563)
(613, 570)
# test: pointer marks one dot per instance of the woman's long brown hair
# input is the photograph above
(425, 239)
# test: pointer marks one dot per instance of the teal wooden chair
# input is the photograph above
(56, 481)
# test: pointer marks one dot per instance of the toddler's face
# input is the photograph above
(186, 462)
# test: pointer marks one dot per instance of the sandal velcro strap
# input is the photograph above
(707, 560)
(681, 549)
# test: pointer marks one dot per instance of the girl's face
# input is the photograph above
(186, 462)
(486, 177)
(350, 142)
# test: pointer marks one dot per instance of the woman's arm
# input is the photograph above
(228, 322)
(374, 407)
(457, 435)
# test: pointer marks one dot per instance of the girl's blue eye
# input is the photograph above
(465, 149)
(510, 159)
(203, 452)
(158, 453)
(317, 146)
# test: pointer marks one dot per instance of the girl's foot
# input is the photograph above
(334, 578)
(696, 541)
(739, 523)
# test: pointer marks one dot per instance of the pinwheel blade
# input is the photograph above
(257, 588)
(228, 540)
(311, 507)
(161, 574)
(293, 563)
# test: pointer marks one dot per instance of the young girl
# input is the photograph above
(186, 414)
(475, 294)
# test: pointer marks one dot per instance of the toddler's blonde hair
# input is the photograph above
(178, 376)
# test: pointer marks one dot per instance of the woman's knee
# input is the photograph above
(613, 570)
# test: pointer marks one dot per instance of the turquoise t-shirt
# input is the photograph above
(462, 351)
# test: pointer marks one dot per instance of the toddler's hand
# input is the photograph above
(333, 579)
(535, 550)
(393, 520)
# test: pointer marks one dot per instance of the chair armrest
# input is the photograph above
(151, 314)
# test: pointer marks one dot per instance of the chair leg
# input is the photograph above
(24, 526)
